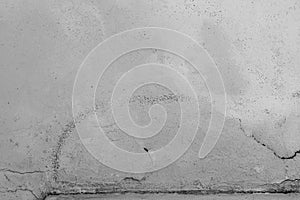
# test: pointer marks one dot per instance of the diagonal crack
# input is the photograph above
(268, 147)
(278, 156)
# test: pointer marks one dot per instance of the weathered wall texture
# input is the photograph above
(255, 44)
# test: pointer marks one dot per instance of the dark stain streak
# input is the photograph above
(66, 132)
(166, 98)
(146, 149)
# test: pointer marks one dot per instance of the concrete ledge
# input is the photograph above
(178, 196)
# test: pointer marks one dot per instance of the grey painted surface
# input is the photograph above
(255, 44)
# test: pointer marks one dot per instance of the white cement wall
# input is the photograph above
(255, 45)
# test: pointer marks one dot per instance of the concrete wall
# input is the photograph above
(255, 44)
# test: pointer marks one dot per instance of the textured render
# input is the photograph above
(255, 45)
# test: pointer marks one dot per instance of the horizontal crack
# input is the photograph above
(25, 172)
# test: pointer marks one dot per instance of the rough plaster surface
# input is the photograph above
(255, 45)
